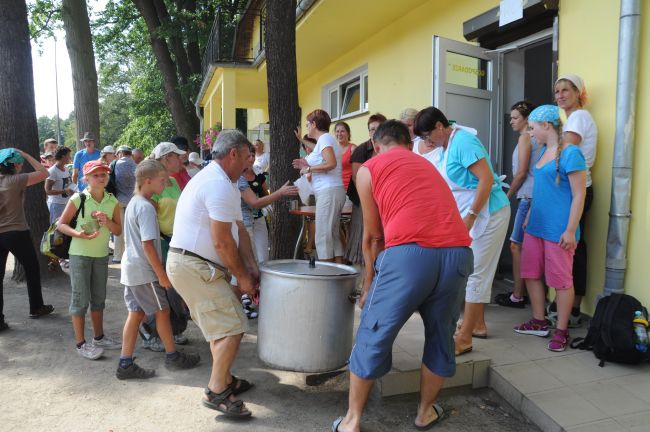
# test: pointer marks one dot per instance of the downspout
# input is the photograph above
(197, 108)
(626, 89)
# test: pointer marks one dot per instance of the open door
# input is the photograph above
(465, 89)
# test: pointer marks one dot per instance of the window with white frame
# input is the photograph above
(348, 95)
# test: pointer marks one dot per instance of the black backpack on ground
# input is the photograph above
(611, 332)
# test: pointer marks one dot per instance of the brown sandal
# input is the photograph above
(222, 403)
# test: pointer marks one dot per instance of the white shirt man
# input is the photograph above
(209, 241)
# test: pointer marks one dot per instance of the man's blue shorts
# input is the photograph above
(411, 278)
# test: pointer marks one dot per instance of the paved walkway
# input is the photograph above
(45, 385)
(556, 391)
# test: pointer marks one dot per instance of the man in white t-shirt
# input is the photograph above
(210, 242)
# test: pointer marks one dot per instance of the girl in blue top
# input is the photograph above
(553, 228)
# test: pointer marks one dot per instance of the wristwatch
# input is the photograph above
(308, 169)
(472, 212)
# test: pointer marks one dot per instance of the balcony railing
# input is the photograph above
(230, 39)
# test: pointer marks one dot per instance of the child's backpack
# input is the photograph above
(111, 186)
(611, 332)
(54, 243)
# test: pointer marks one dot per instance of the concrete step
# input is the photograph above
(469, 372)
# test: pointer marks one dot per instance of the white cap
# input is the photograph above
(165, 148)
(108, 149)
(195, 158)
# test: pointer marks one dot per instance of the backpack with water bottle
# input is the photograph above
(612, 334)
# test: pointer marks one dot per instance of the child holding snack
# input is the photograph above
(98, 216)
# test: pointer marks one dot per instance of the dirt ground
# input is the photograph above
(45, 385)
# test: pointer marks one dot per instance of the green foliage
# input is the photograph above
(131, 98)
(44, 18)
(113, 116)
(47, 129)
(145, 131)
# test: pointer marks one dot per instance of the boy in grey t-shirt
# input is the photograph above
(144, 277)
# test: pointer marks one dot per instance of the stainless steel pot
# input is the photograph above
(306, 315)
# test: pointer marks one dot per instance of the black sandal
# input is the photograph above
(239, 385)
(216, 401)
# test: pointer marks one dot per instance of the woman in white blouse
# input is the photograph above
(324, 165)
(579, 129)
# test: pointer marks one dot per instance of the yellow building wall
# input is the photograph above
(256, 116)
(593, 55)
(399, 58)
(400, 75)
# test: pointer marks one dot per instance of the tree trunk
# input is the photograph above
(193, 50)
(175, 42)
(284, 117)
(17, 109)
(185, 120)
(82, 61)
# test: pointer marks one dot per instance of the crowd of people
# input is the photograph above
(429, 219)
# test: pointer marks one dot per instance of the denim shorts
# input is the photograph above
(517, 235)
(411, 278)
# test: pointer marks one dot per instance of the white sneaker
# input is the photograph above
(90, 351)
(107, 343)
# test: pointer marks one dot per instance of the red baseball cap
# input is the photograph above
(95, 165)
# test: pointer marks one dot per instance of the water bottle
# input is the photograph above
(641, 336)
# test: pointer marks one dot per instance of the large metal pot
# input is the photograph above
(306, 315)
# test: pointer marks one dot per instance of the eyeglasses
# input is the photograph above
(308, 123)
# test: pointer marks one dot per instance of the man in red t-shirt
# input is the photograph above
(414, 234)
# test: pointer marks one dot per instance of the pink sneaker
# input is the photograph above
(533, 327)
(559, 341)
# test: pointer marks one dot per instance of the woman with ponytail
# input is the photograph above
(580, 130)
(553, 228)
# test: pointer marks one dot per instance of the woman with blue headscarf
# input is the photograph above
(14, 231)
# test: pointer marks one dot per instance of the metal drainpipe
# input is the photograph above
(626, 88)
(197, 108)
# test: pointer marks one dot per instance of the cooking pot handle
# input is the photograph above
(354, 296)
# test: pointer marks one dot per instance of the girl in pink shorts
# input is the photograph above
(553, 228)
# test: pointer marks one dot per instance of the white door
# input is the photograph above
(465, 89)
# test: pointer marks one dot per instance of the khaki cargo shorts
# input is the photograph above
(212, 303)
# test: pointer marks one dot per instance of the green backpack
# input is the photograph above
(54, 243)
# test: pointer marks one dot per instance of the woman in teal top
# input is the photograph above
(465, 165)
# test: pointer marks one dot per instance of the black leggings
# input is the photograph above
(580, 257)
(19, 243)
